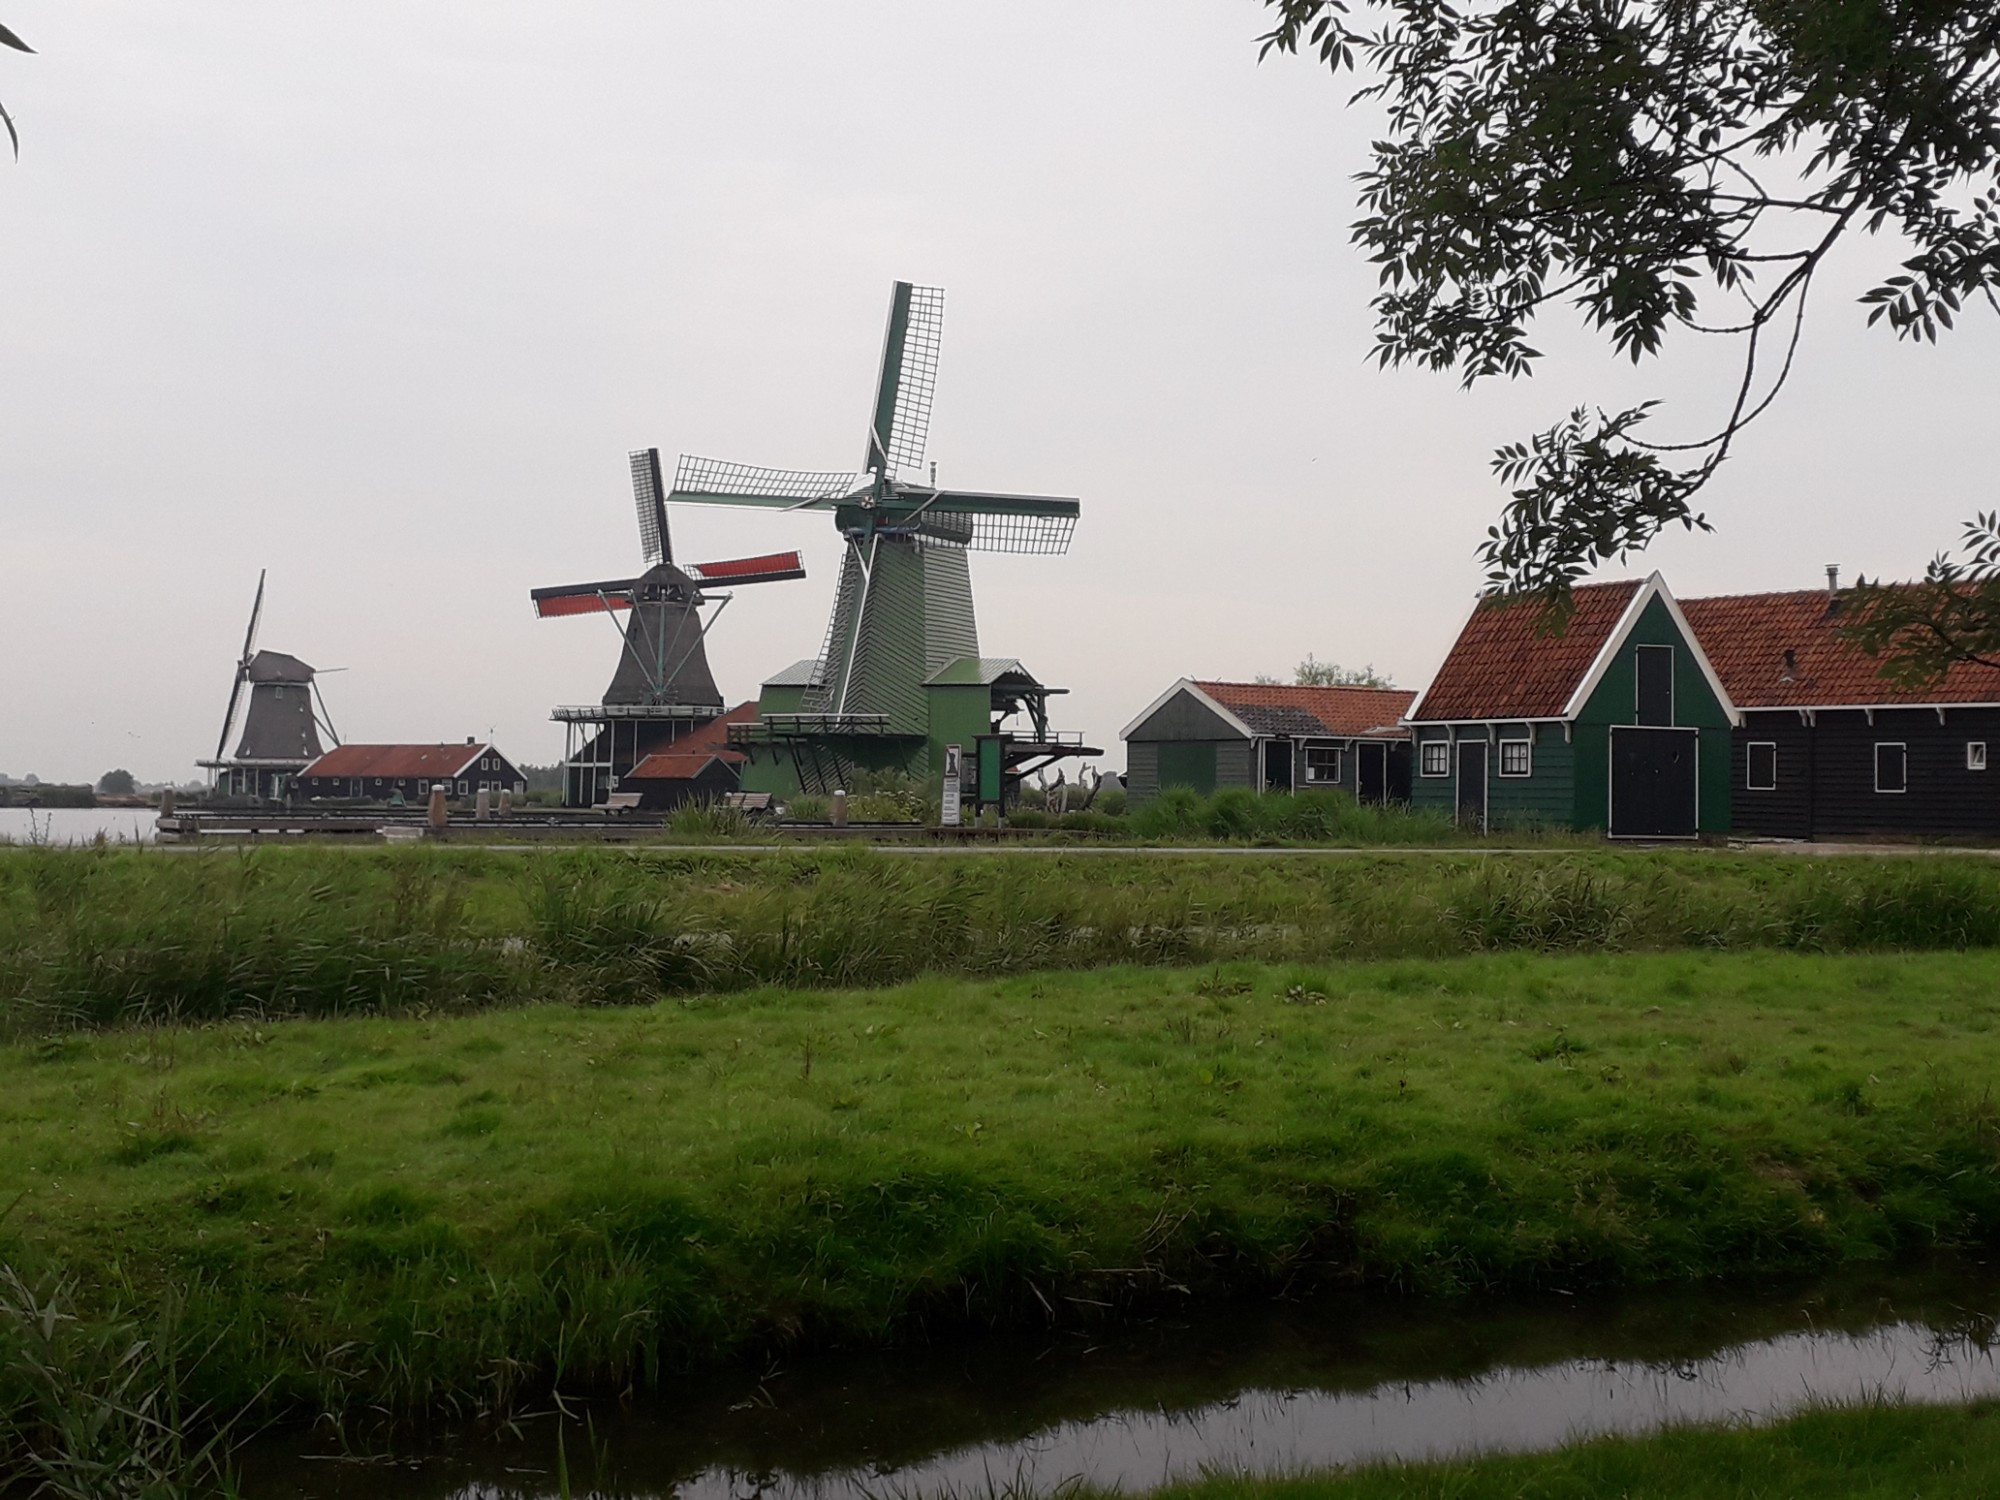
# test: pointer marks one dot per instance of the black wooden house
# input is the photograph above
(1826, 747)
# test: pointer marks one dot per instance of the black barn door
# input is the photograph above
(1653, 783)
(1373, 770)
(1472, 784)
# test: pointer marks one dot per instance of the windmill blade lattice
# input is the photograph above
(654, 540)
(714, 481)
(908, 377)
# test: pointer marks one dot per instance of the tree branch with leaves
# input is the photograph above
(1665, 167)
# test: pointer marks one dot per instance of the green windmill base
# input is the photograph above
(899, 676)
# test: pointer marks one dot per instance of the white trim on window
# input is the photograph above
(1329, 758)
(1526, 747)
(1443, 760)
(1750, 781)
(1902, 750)
(1975, 755)
(462, 791)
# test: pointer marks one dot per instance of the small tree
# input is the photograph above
(118, 783)
(1312, 672)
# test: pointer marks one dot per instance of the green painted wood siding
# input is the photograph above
(1184, 717)
(1544, 798)
(1615, 702)
(1142, 771)
(1430, 793)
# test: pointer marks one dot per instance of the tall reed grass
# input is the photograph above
(122, 937)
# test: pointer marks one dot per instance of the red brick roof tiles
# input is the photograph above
(396, 760)
(1504, 666)
(1337, 710)
(1746, 637)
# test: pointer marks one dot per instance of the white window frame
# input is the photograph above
(462, 791)
(1755, 745)
(1443, 749)
(1975, 755)
(1527, 761)
(1323, 747)
(1892, 791)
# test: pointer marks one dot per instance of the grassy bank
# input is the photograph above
(440, 1213)
(1848, 1453)
(124, 937)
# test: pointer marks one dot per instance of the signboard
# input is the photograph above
(954, 789)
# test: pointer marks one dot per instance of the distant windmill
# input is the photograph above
(662, 686)
(281, 720)
(903, 609)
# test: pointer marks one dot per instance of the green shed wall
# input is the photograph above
(959, 715)
(1615, 702)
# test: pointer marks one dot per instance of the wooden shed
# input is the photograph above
(406, 773)
(701, 766)
(1618, 722)
(1828, 747)
(1270, 737)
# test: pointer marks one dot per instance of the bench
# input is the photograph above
(622, 802)
(748, 802)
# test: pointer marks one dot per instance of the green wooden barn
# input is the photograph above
(1270, 737)
(1617, 723)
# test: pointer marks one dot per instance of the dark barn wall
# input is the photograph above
(1786, 811)
(1944, 799)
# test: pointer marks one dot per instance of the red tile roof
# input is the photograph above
(1746, 637)
(396, 760)
(685, 758)
(1505, 666)
(1281, 708)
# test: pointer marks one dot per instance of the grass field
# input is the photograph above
(437, 1214)
(124, 937)
(1856, 1453)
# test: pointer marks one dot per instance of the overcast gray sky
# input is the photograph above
(378, 295)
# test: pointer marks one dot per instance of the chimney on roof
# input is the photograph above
(1833, 588)
(1791, 665)
(470, 740)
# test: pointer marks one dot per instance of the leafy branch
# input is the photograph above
(1662, 166)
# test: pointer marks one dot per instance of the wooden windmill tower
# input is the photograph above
(902, 613)
(282, 719)
(662, 687)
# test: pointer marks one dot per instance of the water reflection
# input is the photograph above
(1315, 1384)
(77, 825)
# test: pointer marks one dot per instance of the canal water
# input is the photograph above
(1268, 1389)
(77, 825)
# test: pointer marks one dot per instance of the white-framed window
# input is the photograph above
(1892, 766)
(1516, 757)
(423, 789)
(1975, 755)
(462, 790)
(1760, 766)
(1436, 760)
(1322, 764)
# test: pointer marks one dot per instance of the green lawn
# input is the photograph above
(421, 1212)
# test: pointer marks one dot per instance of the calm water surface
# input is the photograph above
(1264, 1390)
(77, 825)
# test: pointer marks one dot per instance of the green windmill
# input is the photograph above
(902, 627)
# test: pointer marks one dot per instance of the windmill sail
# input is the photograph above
(654, 541)
(715, 481)
(908, 378)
